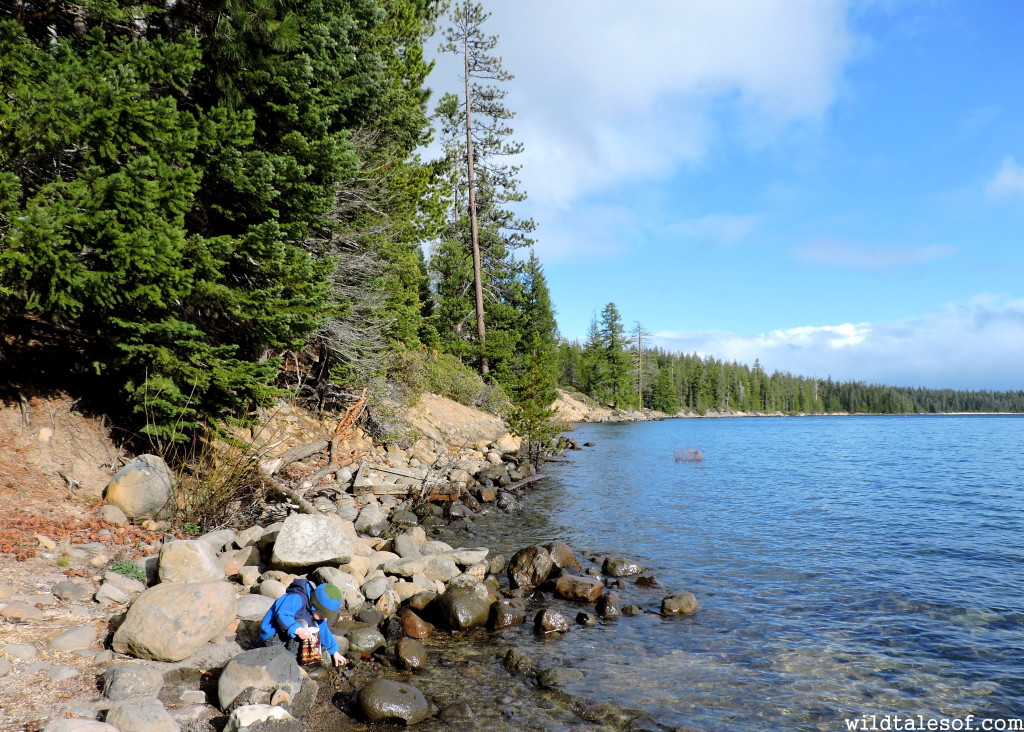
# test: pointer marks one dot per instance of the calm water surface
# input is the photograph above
(846, 566)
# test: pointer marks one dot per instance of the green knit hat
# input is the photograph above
(326, 600)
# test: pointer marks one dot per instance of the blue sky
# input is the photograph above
(835, 187)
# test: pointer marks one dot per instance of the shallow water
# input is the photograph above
(846, 566)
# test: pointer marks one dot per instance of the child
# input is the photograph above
(303, 604)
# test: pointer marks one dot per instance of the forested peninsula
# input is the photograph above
(206, 206)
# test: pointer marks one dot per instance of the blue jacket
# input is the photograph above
(284, 615)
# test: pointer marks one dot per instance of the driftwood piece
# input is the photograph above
(524, 482)
(273, 485)
(299, 452)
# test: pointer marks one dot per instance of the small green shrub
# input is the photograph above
(64, 560)
(128, 568)
(192, 529)
(445, 375)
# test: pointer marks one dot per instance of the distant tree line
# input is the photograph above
(615, 368)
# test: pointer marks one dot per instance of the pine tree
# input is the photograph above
(472, 263)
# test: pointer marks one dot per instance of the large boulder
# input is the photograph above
(465, 605)
(384, 701)
(170, 622)
(142, 488)
(189, 561)
(530, 567)
(306, 541)
(264, 669)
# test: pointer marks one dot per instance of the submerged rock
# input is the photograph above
(581, 589)
(551, 621)
(680, 603)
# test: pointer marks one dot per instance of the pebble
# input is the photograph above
(73, 638)
(5, 667)
(72, 591)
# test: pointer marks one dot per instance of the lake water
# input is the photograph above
(846, 566)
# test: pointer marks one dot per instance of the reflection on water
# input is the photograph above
(845, 566)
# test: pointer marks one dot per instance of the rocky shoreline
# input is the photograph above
(438, 631)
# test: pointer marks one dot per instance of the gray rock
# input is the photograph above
(306, 541)
(217, 540)
(130, 680)
(469, 557)
(170, 622)
(620, 567)
(248, 537)
(405, 546)
(249, 575)
(530, 567)
(440, 568)
(189, 561)
(555, 678)
(365, 640)
(373, 589)
(60, 672)
(587, 620)
(405, 567)
(21, 612)
(21, 651)
(78, 725)
(680, 603)
(5, 667)
(103, 657)
(563, 556)
(265, 669)
(253, 607)
(73, 638)
(383, 701)
(113, 514)
(466, 605)
(142, 488)
(109, 592)
(272, 588)
(372, 520)
(144, 714)
(69, 591)
(404, 518)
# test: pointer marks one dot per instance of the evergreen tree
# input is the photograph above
(617, 381)
(534, 384)
(473, 269)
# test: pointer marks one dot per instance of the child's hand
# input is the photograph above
(303, 633)
(339, 660)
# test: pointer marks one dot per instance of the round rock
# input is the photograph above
(384, 701)
(144, 714)
(680, 603)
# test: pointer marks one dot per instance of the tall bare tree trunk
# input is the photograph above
(478, 284)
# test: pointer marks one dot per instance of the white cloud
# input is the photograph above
(608, 92)
(1008, 181)
(977, 344)
(722, 228)
(838, 253)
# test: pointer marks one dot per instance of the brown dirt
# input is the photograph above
(54, 464)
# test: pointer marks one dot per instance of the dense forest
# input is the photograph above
(615, 367)
(209, 204)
